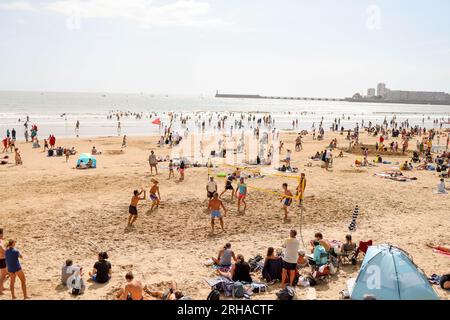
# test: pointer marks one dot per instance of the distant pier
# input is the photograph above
(257, 96)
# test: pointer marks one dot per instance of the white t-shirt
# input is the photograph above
(291, 250)
(212, 186)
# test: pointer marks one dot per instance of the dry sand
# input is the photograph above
(55, 212)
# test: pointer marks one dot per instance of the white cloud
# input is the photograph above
(191, 13)
(17, 6)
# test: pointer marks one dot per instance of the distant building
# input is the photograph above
(425, 96)
(381, 90)
(371, 92)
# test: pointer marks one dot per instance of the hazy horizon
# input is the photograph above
(195, 47)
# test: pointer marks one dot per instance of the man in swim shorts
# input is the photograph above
(214, 208)
(242, 188)
(155, 196)
(286, 199)
(301, 188)
(132, 210)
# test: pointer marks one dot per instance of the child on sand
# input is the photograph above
(286, 199)
(242, 188)
(155, 196)
(132, 210)
(18, 158)
(214, 208)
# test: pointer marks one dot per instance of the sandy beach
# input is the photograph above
(56, 212)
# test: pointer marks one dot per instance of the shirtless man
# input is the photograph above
(155, 196)
(214, 208)
(286, 199)
(170, 294)
(133, 289)
(133, 206)
(2, 263)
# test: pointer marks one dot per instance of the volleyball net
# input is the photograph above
(259, 178)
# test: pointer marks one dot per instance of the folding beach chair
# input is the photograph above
(363, 246)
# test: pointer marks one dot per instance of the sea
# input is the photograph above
(57, 113)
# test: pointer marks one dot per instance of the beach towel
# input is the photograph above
(442, 252)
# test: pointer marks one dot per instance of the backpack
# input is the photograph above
(238, 290)
(287, 293)
(214, 295)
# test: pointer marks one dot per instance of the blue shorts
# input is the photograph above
(153, 197)
(216, 214)
(287, 202)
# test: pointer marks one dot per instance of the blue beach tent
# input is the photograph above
(85, 157)
(388, 273)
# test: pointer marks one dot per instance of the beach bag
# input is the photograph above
(312, 281)
(238, 290)
(214, 295)
(285, 294)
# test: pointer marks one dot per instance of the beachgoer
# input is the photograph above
(224, 257)
(240, 271)
(3, 270)
(214, 207)
(12, 256)
(211, 188)
(181, 169)
(171, 172)
(242, 189)
(153, 162)
(170, 294)
(132, 210)
(154, 194)
(102, 272)
(229, 186)
(291, 246)
(286, 199)
(133, 290)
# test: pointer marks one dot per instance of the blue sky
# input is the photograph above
(284, 47)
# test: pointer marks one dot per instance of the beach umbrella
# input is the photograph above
(156, 121)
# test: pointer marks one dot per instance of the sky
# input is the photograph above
(321, 48)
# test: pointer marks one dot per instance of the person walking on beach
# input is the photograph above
(17, 157)
(153, 162)
(286, 199)
(124, 141)
(77, 128)
(2, 263)
(13, 134)
(214, 207)
(242, 189)
(12, 256)
(155, 196)
(26, 135)
(132, 210)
